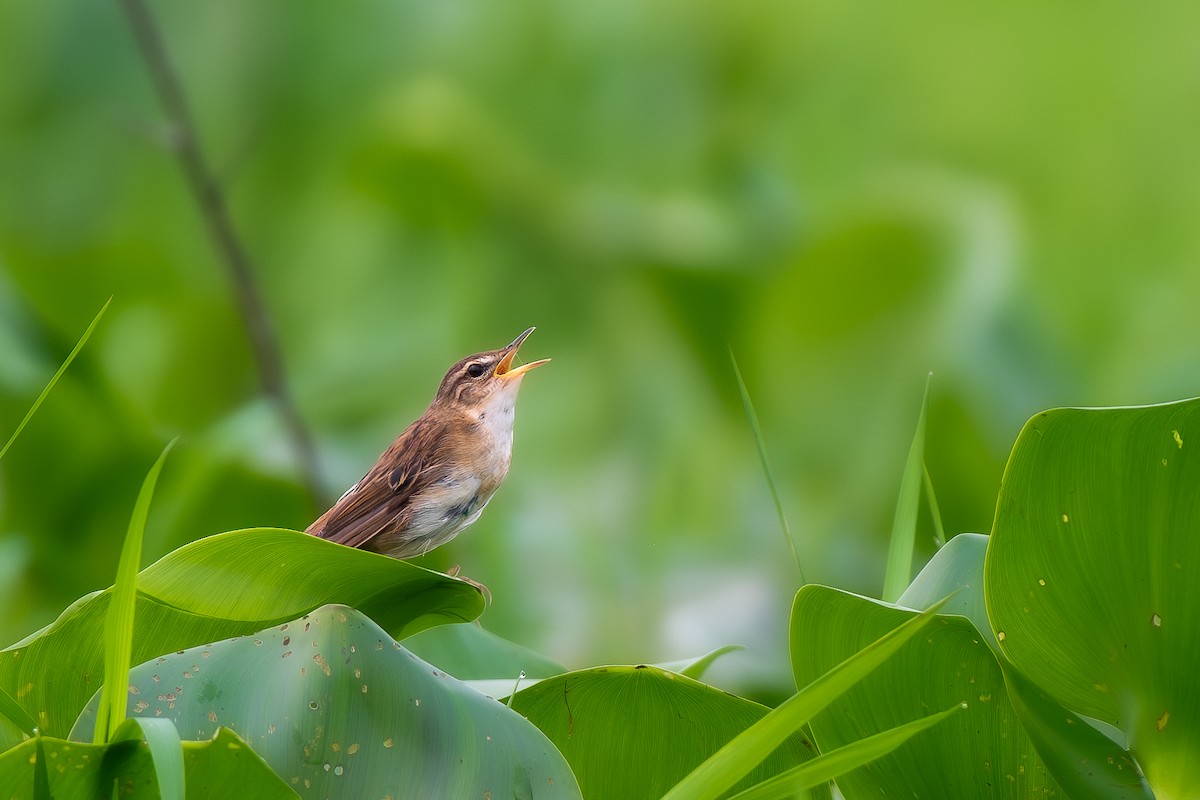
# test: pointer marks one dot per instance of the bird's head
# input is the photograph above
(479, 380)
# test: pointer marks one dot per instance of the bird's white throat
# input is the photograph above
(495, 419)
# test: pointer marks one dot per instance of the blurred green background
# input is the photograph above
(847, 195)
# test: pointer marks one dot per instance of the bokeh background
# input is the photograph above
(846, 195)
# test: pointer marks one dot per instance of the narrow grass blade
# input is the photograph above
(118, 627)
(41, 397)
(18, 716)
(904, 524)
(752, 417)
(842, 760)
(935, 511)
(166, 751)
(41, 780)
(729, 764)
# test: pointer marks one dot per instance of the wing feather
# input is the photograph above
(382, 502)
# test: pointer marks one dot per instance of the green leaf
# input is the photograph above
(981, 753)
(1090, 574)
(955, 572)
(468, 652)
(904, 524)
(265, 574)
(737, 758)
(632, 732)
(226, 766)
(830, 765)
(1084, 761)
(118, 623)
(225, 585)
(74, 771)
(218, 769)
(498, 668)
(54, 380)
(337, 708)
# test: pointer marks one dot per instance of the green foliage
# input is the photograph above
(9, 708)
(648, 182)
(842, 760)
(904, 523)
(1088, 576)
(634, 732)
(979, 753)
(42, 768)
(969, 686)
(337, 708)
(468, 652)
(225, 585)
(739, 756)
(161, 739)
(119, 619)
(849, 196)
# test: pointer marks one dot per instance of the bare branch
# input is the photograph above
(211, 200)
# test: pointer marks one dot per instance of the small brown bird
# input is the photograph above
(441, 471)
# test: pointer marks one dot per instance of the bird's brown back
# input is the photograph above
(381, 502)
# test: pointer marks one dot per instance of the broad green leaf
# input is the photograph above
(632, 732)
(225, 585)
(739, 756)
(979, 753)
(337, 708)
(218, 769)
(118, 622)
(1090, 574)
(956, 572)
(908, 503)
(468, 652)
(498, 668)
(226, 766)
(266, 574)
(75, 771)
(826, 767)
(46, 391)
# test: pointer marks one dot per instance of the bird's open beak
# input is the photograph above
(505, 368)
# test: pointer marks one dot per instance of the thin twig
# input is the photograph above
(214, 210)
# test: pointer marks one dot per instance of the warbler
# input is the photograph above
(438, 474)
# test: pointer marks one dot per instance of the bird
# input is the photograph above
(437, 476)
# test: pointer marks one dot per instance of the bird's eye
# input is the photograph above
(475, 370)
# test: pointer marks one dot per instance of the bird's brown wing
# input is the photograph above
(382, 500)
